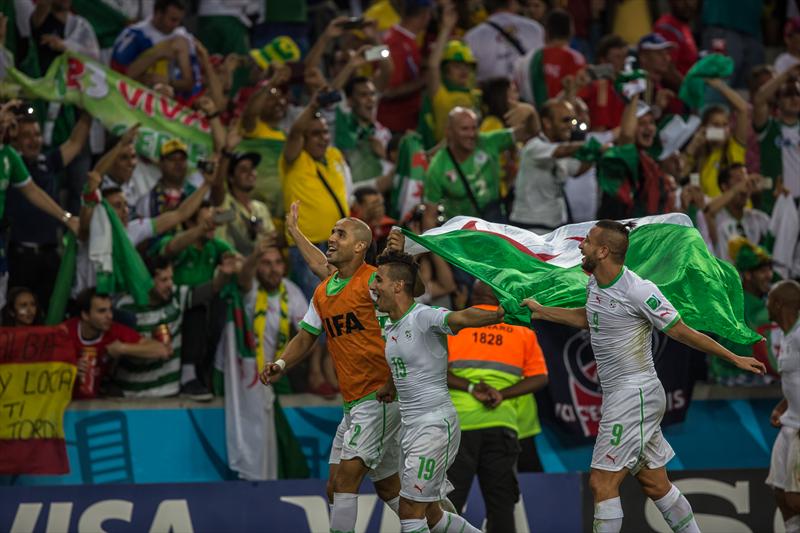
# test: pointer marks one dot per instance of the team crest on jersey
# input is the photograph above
(612, 304)
(408, 334)
(481, 157)
(653, 302)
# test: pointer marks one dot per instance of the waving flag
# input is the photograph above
(666, 249)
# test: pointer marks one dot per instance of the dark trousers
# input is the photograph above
(34, 268)
(491, 453)
(201, 331)
(528, 456)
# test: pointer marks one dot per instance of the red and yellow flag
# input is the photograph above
(37, 372)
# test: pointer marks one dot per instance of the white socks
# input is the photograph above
(394, 504)
(187, 373)
(345, 510)
(792, 525)
(608, 516)
(414, 525)
(453, 523)
(677, 512)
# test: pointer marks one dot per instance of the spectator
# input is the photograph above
(173, 186)
(317, 175)
(251, 218)
(604, 102)
(730, 213)
(370, 208)
(499, 41)
(161, 319)
(55, 29)
(224, 25)
(493, 373)
(631, 183)
(663, 79)
(755, 268)
(537, 10)
(675, 28)
(540, 73)
(779, 135)
(736, 33)
(138, 230)
(278, 306)
(361, 138)
(546, 163)
(33, 247)
(450, 71)
(464, 177)
(159, 49)
(22, 309)
(714, 145)
(400, 103)
(98, 340)
(13, 172)
(122, 169)
(791, 37)
(498, 95)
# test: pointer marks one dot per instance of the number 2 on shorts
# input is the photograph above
(426, 467)
(616, 434)
(356, 433)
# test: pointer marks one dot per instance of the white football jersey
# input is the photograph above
(789, 367)
(621, 318)
(416, 350)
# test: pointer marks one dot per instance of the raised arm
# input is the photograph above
(705, 344)
(447, 24)
(332, 31)
(170, 219)
(629, 122)
(764, 96)
(473, 317)
(718, 203)
(105, 162)
(295, 140)
(738, 104)
(313, 256)
(524, 120)
(77, 139)
(91, 197)
(252, 109)
(575, 318)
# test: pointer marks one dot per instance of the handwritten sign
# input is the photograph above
(37, 373)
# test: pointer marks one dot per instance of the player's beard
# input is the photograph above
(589, 264)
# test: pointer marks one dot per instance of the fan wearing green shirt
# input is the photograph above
(475, 158)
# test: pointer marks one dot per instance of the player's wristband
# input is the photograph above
(470, 388)
(281, 363)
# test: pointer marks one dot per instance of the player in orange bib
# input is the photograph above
(366, 439)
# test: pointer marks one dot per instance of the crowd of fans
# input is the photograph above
(537, 113)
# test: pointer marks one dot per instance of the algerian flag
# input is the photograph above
(118, 266)
(260, 442)
(664, 249)
(412, 163)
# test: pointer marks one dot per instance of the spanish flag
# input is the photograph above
(37, 372)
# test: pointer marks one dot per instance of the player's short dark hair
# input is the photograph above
(608, 43)
(402, 267)
(615, 237)
(350, 86)
(162, 5)
(558, 24)
(84, 299)
(724, 175)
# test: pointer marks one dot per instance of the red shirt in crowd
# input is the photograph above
(605, 104)
(88, 385)
(684, 55)
(401, 114)
(557, 62)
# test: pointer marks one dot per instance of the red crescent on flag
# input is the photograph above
(471, 226)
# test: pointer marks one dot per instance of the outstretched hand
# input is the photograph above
(750, 364)
(271, 374)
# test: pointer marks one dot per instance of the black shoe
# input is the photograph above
(195, 390)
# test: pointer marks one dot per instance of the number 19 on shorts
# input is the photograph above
(426, 468)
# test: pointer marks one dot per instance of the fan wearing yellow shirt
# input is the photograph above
(451, 77)
(316, 174)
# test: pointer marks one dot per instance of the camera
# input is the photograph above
(205, 166)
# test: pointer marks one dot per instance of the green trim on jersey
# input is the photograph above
(349, 405)
(641, 425)
(336, 284)
(411, 308)
(671, 324)
(309, 328)
(613, 281)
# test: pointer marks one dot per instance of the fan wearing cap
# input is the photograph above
(776, 121)
(173, 186)
(755, 268)
(252, 217)
(663, 79)
(451, 77)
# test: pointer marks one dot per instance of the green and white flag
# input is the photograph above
(665, 249)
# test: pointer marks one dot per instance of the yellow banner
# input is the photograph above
(33, 397)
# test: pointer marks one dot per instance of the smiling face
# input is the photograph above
(462, 131)
(244, 176)
(592, 250)
(646, 131)
(317, 138)
(344, 243)
(25, 309)
(364, 101)
(28, 141)
(162, 284)
(120, 206)
(100, 316)
(559, 122)
(385, 289)
(123, 165)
